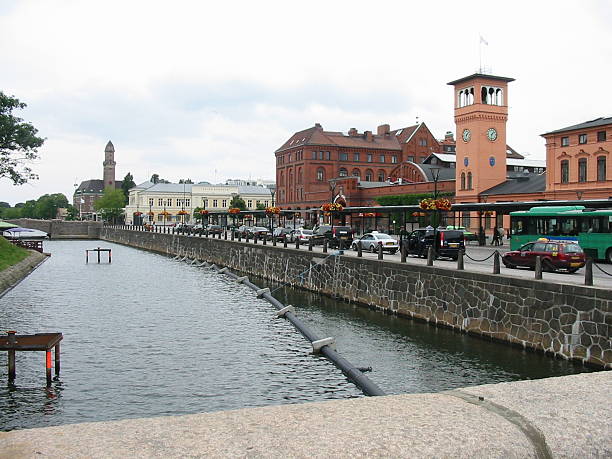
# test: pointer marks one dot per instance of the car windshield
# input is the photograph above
(572, 248)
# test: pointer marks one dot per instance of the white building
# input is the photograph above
(152, 200)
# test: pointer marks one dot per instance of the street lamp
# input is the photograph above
(332, 189)
(435, 175)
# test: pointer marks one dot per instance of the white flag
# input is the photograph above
(482, 40)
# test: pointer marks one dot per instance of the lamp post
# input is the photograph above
(435, 175)
(272, 215)
(481, 232)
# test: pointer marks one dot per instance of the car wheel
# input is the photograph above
(393, 252)
(372, 249)
(609, 255)
(507, 264)
(548, 266)
(354, 247)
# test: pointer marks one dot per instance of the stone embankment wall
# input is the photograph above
(12, 275)
(567, 321)
(62, 229)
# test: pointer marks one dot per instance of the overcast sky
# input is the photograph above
(208, 90)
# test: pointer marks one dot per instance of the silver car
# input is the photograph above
(371, 241)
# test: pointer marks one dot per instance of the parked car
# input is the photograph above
(259, 231)
(447, 242)
(183, 227)
(198, 227)
(469, 236)
(302, 234)
(214, 229)
(371, 241)
(281, 233)
(241, 231)
(334, 236)
(555, 255)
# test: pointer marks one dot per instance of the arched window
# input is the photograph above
(320, 174)
(582, 170)
(282, 178)
(601, 168)
(381, 175)
(290, 178)
(469, 180)
(356, 173)
(463, 180)
(299, 176)
(369, 175)
(342, 172)
(565, 171)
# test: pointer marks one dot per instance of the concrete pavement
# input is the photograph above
(555, 417)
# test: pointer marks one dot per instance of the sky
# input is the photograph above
(209, 90)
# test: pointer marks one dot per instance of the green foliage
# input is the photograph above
(11, 212)
(4, 204)
(128, 182)
(155, 179)
(238, 202)
(110, 205)
(18, 142)
(409, 199)
(198, 216)
(44, 207)
(260, 206)
(187, 181)
(10, 254)
(73, 213)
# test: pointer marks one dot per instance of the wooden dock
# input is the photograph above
(38, 342)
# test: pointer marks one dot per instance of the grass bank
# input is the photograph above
(10, 254)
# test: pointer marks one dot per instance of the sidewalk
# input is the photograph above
(555, 417)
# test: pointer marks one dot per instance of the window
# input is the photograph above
(601, 168)
(187, 202)
(565, 171)
(423, 142)
(327, 155)
(565, 141)
(601, 136)
(582, 170)
(150, 201)
(394, 159)
(160, 202)
(356, 173)
(465, 219)
(342, 172)
(463, 180)
(381, 176)
(343, 156)
(204, 203)
(320, 155)
(214, 203)
(368, 175)
(250, 203)
(410, 158)
(382, 158)
(356, 156)
(582, 139)
(314, 155)
(369, 157)
(289, 158)
(169, 202)
(224, 203)
(320, 174)
(469, 180)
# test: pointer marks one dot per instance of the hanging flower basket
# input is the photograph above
(165, 213)
(486, 212)
(182, 212)
(435, 204)
(273, 210)
(150, 213)
(137, 214)
(234, 210)
(331, 207)
(203, 212)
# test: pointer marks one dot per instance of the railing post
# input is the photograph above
(359, 249)
(380, 251)
(496, 262)
(285, 241)
(430, 258)
(264, 240)
(324, 245)
(460, 264)
(297, 243)
(310, 245)
(588, 272)
(273, 241)
(403, 253)
(538, 268)
(232, 235)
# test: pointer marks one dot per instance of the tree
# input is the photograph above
(128, 182)
(154, 178)
(238, 202)
(187, 181)
(4, 204)
(110, 205)
(260, 206)
(47, 205)
(18, 142)
(73, 213)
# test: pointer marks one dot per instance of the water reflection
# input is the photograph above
(149, 336)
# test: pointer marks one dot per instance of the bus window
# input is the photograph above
(569, 227)
(600, 225)
(550, 226)
(585, 225)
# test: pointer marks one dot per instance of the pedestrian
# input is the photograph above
(495, 240)
(501, 236)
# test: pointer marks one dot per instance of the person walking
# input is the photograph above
(495, 240)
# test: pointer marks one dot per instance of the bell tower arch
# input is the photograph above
(481, 112)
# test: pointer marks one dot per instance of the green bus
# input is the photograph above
(591, 228)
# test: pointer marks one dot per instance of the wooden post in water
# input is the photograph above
(57, 360)
(11, 357)
(48, 366)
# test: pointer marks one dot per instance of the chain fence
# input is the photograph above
(484, 259)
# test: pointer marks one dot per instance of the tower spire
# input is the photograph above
(109, 165)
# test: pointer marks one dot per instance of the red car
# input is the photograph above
(555, 255)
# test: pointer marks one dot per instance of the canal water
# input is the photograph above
(150, 336)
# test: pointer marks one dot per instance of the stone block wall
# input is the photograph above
(62, 229)
(568, 321)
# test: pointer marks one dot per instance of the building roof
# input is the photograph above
(317, 136)
(587, 124)
(251, 190)
(110, 147)
(444, 173)
(480, 75)
(510, 161)
(527, 183)
(171, 188)
(95, 186)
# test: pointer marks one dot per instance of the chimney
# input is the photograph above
(318, 126)
(352, 132)
(383, 129)
(368, 136)
(449, 136)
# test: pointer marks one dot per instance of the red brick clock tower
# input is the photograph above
(481, 112)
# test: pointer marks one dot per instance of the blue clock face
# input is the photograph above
(492, 161)
(466, 161)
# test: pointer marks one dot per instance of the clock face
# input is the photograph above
(467, 135)
(492, 134)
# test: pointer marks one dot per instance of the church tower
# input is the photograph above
(109, 166)
(481, 112)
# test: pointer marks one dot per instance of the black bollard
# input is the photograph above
(588, 272)
(246, 237)
(460, 264)
(255, 239)
(310, 245)
(430, 257)
(273, 241)
(380, 251)
(325, 246)
(264, 240)
(403, 254)
(239, 237)
(285, 241)
(232, 236)
(297, 243)
(496, 262)
(538, 268)
(359, 249)
(225, 235)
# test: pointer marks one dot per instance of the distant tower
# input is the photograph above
(109, 165)
(481, 112)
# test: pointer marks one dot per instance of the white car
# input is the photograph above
(371, 241)
(302, 234)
